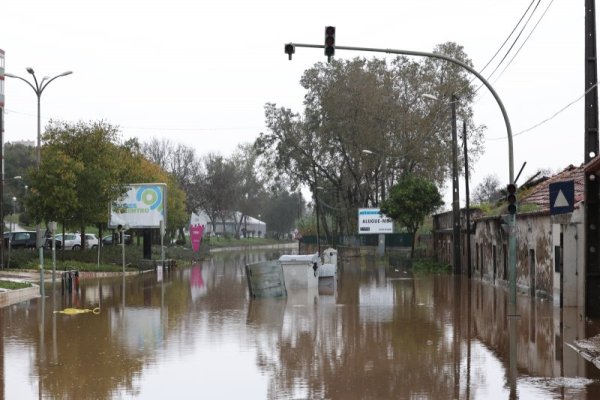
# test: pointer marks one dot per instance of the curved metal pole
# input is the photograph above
(454, 61)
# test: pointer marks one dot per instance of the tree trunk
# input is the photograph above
(182, 235)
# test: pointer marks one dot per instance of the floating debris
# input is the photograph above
(75, 311)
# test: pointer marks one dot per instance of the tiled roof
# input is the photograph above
(540, 194)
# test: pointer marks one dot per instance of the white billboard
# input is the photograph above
(371, 220)
(143, 206)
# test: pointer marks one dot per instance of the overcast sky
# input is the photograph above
(200, 71)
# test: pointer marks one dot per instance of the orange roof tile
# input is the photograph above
(540, 194)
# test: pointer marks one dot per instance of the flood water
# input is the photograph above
(379, 333)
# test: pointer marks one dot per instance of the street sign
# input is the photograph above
(562, 197)
(372, 221)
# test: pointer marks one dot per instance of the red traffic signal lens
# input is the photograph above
(330, 30)
(512, 198)
(329, 41)
(511, 188)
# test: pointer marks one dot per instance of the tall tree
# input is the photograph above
(488, 190)
(280, 211)
(249, 185)
(410, 201)
(87, 161)
(18, 158)
(356, 105)
(217, 189)
(178, 160)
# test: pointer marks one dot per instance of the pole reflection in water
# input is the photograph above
(378, 331)
(512, 356)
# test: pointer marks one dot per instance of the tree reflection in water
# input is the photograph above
(380, 332)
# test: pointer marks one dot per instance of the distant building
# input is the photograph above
(250, 226)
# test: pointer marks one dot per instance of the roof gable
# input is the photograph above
(540, 194)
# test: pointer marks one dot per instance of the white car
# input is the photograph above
(72, 241)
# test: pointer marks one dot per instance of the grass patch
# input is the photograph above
(430, 266)
(10, 285)
(111, 258)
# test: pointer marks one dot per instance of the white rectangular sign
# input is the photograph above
(371, 220)
(143, 206)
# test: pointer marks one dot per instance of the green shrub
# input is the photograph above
(429, 266)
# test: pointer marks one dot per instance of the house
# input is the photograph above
(549, 247)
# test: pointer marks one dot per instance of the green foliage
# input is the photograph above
(83, 169)
(410, 201)
(280, 211)
(10, 285)
(375, 105)
(430, 266)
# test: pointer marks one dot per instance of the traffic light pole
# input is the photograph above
(511, 222)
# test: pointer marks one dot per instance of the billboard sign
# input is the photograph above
(371, 220)
(144, 205)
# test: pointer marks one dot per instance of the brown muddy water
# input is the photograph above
(380, 333)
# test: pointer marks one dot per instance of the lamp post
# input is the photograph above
(38, 87)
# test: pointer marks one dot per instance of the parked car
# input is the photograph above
(72, 241)
(24, 239)
(108, 240)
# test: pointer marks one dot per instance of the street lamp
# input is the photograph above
(38, 88)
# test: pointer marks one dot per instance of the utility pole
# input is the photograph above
(591, 186)
(467, 200)
(455, 195)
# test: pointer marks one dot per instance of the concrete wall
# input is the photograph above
(549, 255)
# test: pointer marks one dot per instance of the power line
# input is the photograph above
(549, 118)
(525, 41)
(515, 41)
(507, 38)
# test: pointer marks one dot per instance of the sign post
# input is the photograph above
(372, 221)
(143, 206)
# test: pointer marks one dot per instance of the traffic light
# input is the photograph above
(289, 50)
(329, 41)
(511, 198)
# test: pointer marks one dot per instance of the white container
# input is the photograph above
(301, 271)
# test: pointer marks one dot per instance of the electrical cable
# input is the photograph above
(515, 41)
(525, 41)
(549, 118)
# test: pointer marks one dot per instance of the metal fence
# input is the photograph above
(391, 240)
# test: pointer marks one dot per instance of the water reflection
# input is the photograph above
(377, 332)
